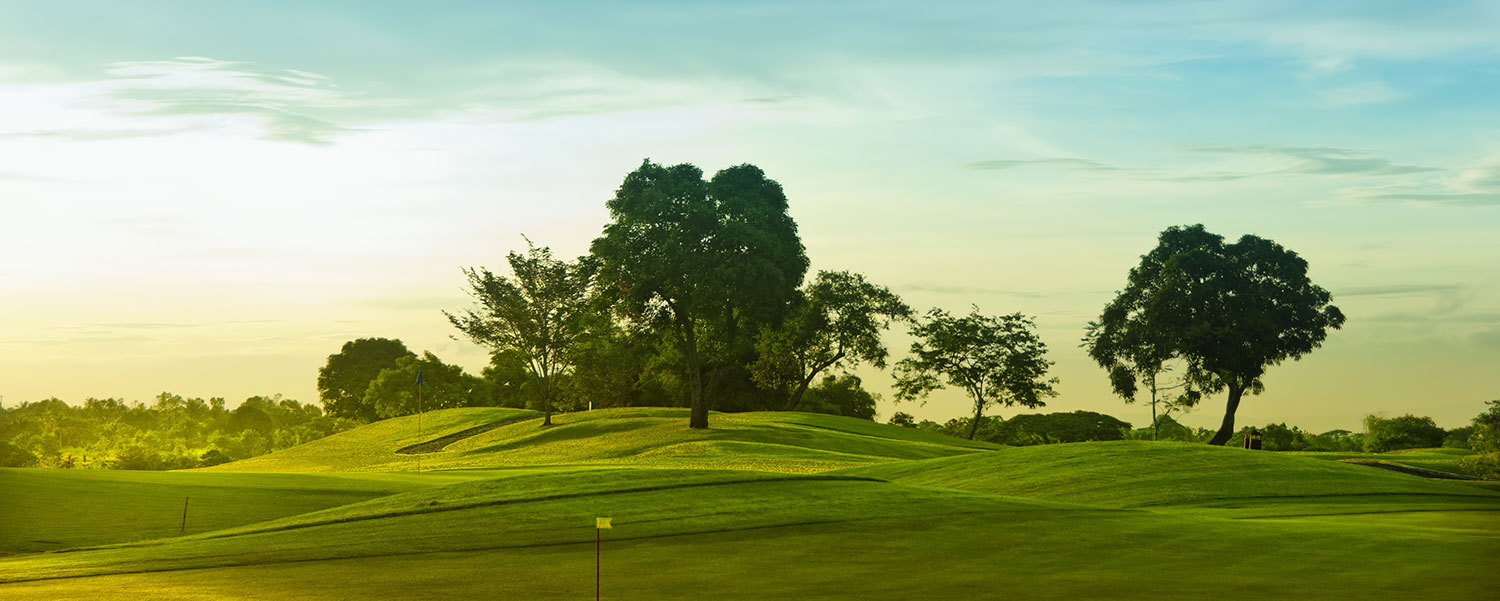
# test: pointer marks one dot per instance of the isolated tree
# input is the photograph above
(995, 360)
(343, 380)
(1229, 311)
(706, 261)
(837, 321)
(537, 312)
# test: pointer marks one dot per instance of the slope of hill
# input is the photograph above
(645, 437)
(908, 515)
(1142, 474)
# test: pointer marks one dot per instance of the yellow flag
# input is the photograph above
(602, 523)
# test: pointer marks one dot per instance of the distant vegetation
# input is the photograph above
(171, 433)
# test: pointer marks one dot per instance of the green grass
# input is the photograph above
(371, 447)
(914, 517)
(640, 437)
(1442, 460)
(55, 509)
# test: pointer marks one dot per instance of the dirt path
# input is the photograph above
(438, 444)
(1406, 469)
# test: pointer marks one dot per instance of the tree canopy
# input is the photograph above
(707, 261)
(837, 320)
(394, 391)
(995, 360)
(1229, 311)
(537, 313)
(342, 381)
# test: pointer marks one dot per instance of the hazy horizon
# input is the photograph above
(211, 199)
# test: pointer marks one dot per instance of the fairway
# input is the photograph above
(781, 505)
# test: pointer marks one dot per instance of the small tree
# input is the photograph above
(838, 321)
(537, 313)
(1486, 435)
(995, 360)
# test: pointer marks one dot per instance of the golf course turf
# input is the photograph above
(760, 506)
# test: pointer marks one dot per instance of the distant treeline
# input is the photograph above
(171, 433)
(1380, 434)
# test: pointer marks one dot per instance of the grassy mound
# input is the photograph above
(642, 437)
(373, 446)
(1146, 474)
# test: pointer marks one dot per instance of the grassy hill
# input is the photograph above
(638, 437)
(906, 515)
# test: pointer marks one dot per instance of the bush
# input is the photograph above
(1486, 435)
(841, 395)
(1486, 465)
(14, 456)
(1458, 438)
(1405, 432)
(214, 457)
(137, 457)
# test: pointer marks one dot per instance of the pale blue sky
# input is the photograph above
(209, 198)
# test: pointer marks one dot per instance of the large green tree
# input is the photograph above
(538, 312)
(343, 379)
(1228, 311)
(707, 261)
(995, 360)
(394, 392)
(837, 321)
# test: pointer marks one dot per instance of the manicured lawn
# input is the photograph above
(908, 516)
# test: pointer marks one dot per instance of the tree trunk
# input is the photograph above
(974, 425)
(806, 382)
(698, 418)
(1226, 429)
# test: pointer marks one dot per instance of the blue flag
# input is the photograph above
(419, 377)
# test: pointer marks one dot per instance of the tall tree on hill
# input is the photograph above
(708, 261)
(837, 320)
(1229, 311)
(538, 312)
(343, 380)
(996, 360)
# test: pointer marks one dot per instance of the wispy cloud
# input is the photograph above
(1399, 290)
(1477, 185)
(1319, 160)
(193, 86)
(1286, 160)
(1374, 92)
(1074, 163)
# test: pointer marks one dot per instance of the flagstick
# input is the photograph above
(597, 537)
(419, 422)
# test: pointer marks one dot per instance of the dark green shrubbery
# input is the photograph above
(14, 456)
(1405, 432)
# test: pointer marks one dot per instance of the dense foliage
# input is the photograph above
(1229, 311)
(171, 433)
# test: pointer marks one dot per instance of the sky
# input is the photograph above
(211, 198)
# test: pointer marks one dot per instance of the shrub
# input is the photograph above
(1405, 432)
(214, 457)
(137, 457)
(1486, 465)
(14, 456)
